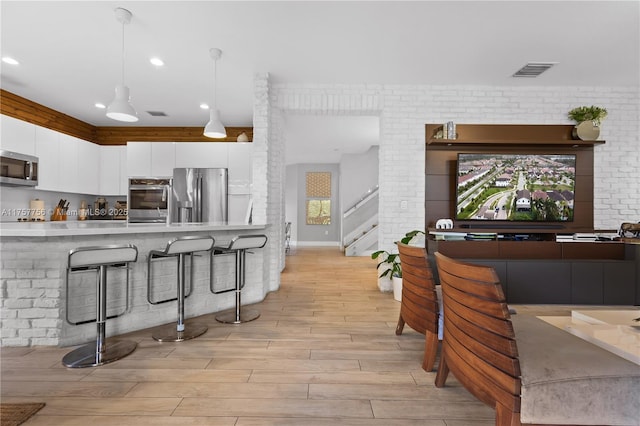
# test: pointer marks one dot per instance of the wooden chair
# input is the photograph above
(419, 306)
(479, 345)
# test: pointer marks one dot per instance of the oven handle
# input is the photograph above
(144, 187)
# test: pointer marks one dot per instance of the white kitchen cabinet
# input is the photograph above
(201, 154)
(48, 153)
(112, 170)
(17, 135)
(139, 159)
(240, 164)
(88, 168)
(68, 171)
(124, 177)
(238, 207)
(162, 158)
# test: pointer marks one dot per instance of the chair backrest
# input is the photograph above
(479, 345)
(419, 306)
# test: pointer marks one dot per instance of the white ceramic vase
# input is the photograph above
(397, 288)
(587, 131)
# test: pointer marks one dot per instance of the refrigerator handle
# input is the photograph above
(198, 201)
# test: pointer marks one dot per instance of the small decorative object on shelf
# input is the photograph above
(447, 131)
(588, 119)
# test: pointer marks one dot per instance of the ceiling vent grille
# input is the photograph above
(157, 113)
(534, 69)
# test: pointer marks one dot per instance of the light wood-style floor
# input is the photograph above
(323, 352)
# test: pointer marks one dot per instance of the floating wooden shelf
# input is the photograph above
(508, 134)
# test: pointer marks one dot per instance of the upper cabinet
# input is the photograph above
(67, 164)
(48, 153)
(240, 167)
(163, 158)
(88, 168)
(17, 135)
(139, 159)
(147, 159)
(202, 154)
(113, 170)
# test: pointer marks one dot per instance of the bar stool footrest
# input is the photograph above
(87, 356)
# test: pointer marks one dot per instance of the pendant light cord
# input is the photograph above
(215, 84)
(123, 53)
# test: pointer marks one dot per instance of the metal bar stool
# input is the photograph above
(180, 248)
(99, 258)
(239, 245)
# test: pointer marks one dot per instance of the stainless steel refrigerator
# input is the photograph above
(199, 195)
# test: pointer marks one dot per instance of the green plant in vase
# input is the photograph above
(588, 119)
(389, 264)
(592, 113)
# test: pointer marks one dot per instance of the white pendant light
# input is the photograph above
(215, 128)
(120, 108)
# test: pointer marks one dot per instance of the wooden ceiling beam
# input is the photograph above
(32, 112)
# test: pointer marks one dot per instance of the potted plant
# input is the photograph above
(388, 270)
(588, 119)
(410, 236)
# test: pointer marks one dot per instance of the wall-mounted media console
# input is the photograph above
(531, 182)
(539, 178)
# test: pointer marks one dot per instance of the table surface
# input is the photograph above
(613, 330)
(70, 228)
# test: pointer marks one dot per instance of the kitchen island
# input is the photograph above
(34, 260)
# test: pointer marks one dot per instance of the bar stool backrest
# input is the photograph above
(102, 255)
(189, 244)
(248, 242)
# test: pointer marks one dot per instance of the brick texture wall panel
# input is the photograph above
(404, 110)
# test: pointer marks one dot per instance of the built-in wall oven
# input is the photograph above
(149, 199)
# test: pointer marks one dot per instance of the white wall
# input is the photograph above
(404, 110)
(317, 235)
(291, 200)
(358, 174)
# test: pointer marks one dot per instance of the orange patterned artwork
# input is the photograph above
(318, 185)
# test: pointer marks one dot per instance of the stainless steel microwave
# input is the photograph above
(18, 169)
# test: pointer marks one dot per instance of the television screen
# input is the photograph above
(515, 187)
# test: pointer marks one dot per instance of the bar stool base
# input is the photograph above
(86, 356)
(169, 333)
(245, 316)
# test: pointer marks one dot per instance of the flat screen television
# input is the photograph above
(515, 187)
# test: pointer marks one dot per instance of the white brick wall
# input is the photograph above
(404, 110)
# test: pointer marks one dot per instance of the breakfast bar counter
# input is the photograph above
(34, 260)
(111, 227)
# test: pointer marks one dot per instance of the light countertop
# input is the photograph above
(70, 228)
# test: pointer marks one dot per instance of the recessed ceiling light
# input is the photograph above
(9, 60)
(99, 105)
(157, 62)
(204, 106)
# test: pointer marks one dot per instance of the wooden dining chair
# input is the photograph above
(419, 307)
(479, 345)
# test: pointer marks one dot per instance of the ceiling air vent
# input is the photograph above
(534, 69)
(156, 113)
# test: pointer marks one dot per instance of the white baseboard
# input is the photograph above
(315, 244)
